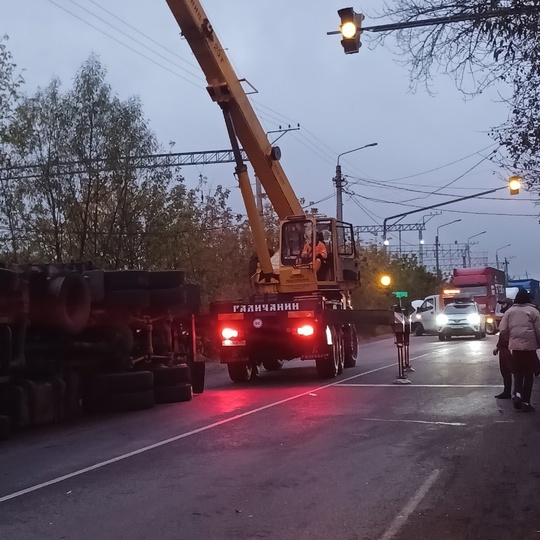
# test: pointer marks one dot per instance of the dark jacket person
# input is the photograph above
(521, 326)
(505, 356)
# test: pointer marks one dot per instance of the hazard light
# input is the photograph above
(451, 291)
(306, 330)
(229, 333)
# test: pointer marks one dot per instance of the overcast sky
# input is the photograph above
(425, 143)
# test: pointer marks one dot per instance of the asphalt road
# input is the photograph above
(290, 456)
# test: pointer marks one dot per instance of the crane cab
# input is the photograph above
(317, 253)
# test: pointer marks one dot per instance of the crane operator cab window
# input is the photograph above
(304, 246)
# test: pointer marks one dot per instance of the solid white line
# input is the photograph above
(402, 517)
(413, 421)
(176, 438)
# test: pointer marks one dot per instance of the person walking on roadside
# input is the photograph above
(521, 326)
(505, 356)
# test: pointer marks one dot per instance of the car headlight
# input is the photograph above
(418, 316)
(441, 319)
(473, 318)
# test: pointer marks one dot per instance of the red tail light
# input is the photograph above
(305, 330)
(229, 333)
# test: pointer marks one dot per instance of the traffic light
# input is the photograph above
(350, 28)
(385, 280)
(514, 183)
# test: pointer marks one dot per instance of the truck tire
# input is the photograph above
(96, 284)
(272, 364)
(165, 279)
(5, 427)
(132, 298)
(173, 394)
(131, 401)
(350, 338)
(118, 392)
(121, 383)
(114, 340)
(18, 407)
(125, 280)
(171, 376)
(66, 303)
(240, 372)
(327, 368)
(198, 374)
(9, 280)
(419, 330)
(168, 297)
(491, 329)
(340, 350)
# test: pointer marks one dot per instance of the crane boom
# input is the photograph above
(226, 89)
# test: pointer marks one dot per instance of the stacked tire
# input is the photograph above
(60, 300)
(172, 384)
(130, 391)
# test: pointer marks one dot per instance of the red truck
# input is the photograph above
(486, 285)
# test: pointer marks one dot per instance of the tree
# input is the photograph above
(477, 53)
(10, 196)
(407, 275)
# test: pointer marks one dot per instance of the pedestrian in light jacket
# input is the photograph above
(521, 326)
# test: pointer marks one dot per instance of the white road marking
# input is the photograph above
(415, 500)
(403, 420)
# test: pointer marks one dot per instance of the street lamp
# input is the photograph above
(438, 272)
(339, 181)
(469, 245)
(497, 255)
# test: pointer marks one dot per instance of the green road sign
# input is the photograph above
(400, 294)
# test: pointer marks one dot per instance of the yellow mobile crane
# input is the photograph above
(301, 307)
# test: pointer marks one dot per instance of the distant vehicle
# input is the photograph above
(461, 318)
(532, 286)
(487, 286)
(424, 319)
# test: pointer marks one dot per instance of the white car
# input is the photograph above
(461, 319)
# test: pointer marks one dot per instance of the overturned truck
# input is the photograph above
(75, 339)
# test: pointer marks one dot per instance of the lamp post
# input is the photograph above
(339, 181)
(431, 215)
(437, 246)
(469, 246)
(497, 255)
